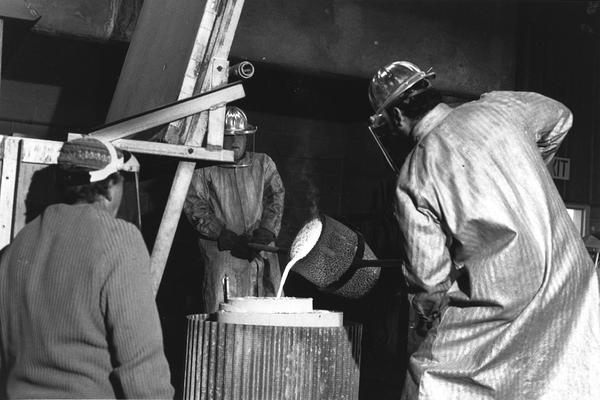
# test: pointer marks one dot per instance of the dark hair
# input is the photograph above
(74, 186)
(419, 100)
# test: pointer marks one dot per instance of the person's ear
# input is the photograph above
(398, 117)
(109, 191)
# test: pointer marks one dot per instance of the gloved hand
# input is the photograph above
(262, 236)
(226, 240)
(241, 250)
(428, 307)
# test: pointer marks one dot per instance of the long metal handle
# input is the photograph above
(385, 263)
(264, 247)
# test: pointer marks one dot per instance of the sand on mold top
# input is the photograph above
(277, 311)
(267, 304)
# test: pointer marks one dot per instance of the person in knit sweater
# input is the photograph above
(77, 313)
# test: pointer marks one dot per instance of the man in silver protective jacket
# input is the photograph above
(494, 262)
(231, 206)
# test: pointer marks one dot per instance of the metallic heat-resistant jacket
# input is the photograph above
(475, 201)
(241, 200)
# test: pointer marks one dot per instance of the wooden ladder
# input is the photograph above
(156, 71)
(176, 66)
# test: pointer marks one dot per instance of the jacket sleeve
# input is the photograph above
(131, 318)
(546, 120)
(198, 210)
(273, 197)
(428, 263)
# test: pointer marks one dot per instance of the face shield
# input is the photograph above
(238, 137)
(392, 83)
(242, 145)
(389, 85)
(91, 160)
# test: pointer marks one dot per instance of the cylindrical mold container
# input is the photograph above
(226, 361)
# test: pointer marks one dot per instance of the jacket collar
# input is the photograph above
(430, 121)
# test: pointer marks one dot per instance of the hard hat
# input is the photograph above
(392, 82)
(236, 122)
(239, 137)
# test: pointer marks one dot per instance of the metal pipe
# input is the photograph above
(243, 70)
(225, 288)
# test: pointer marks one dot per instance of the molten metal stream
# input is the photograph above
(301, 246)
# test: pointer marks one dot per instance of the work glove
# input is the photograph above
(241, 250)
(227, 240)
(262, 236)
(428, 307)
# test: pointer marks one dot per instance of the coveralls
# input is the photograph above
(239, 199)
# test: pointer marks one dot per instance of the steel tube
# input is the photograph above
(243, 70)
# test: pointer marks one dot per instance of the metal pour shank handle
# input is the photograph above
(382, 263)
(271, 249)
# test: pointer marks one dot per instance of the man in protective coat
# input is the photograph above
(494, 263)
(231, 206)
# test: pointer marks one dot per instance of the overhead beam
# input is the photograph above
(39, 151)
(158, 56)
(194, 153)
(33, 151)
(163, 115)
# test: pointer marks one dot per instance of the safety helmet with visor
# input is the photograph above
(94, 159)
(392, 83)
(239, 137)
(87, 160)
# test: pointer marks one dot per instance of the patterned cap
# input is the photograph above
(97, 158)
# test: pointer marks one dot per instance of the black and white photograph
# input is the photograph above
(300, 199)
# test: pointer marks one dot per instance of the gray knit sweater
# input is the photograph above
(77, 313)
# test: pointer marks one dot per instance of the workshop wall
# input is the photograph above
(469, 43)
